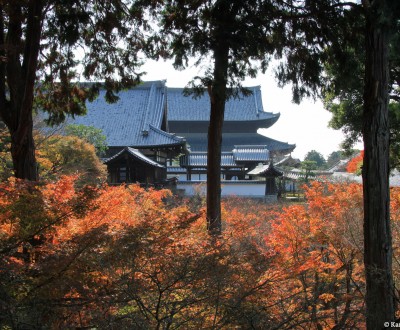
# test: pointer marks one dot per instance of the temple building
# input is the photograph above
(155, 133)
(243, 148)
(136, 129)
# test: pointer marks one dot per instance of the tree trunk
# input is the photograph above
(17, 83)
(377, 233)
(214, 168)
(23, 152)
(218, 95)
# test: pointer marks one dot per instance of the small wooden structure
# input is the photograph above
(270, 173)
(131, 166)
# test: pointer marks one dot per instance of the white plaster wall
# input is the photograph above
(241, 189)
(229, 188)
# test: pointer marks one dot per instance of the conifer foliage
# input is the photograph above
(43, 44)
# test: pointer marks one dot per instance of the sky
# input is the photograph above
(305, 125)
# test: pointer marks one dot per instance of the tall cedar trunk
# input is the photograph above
(23, 151)
(17, 111)
(377, 233)
(217, 99)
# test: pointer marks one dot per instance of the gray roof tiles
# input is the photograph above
(134, 120)
(251, 153)
(267, 170)
(199, 159)
(243, 108)
(157, 137)
(229, 159)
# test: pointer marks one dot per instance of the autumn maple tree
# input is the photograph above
(127, 257)
(319, 259)
(66, 155)
(355, 164)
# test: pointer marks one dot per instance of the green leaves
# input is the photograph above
(95, 41)
(90, 134)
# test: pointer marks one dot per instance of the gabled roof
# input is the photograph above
(288, 161)
(266, 170)
(340, 166)
(134, 153)
(242, 108)
(135, 120)
(156, 137)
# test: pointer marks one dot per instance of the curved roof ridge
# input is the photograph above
(247, 107)
(106, 160)
(167, 134)
(136, 154)
(149, 107)
(141, 84)
(277, 140)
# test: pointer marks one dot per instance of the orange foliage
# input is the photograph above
(319, 258)
(354, 165)
(395, 217)
(125, 257)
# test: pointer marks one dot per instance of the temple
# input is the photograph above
(243, 148)
(136, 129)
(155, 133)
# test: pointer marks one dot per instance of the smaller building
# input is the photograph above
(130, 165)
(270, 173)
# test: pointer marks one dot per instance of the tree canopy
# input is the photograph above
(343, 91)
(316, 157)
(232, 40)
(48, 45)
(69, 155)
(237, 39)
(90, 134)
(123, 257)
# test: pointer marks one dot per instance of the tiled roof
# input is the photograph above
(135, 154)
(229, 141)
(243, 108)
(251, 153)
(157, 137)
(176, 169)
(134, 120)
(199, 159)
(287, 161)
(267, 170)
(340, 166)
(229, 159)
(314, 175)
